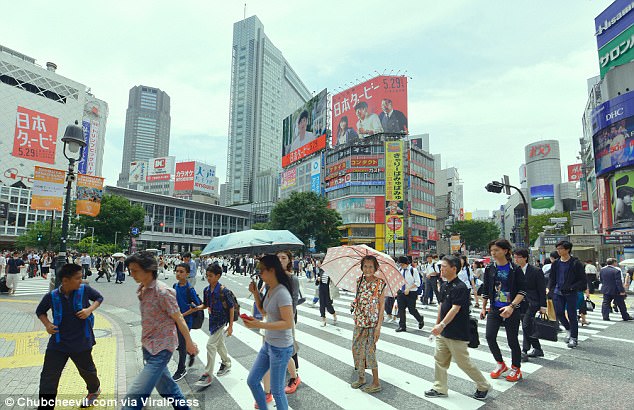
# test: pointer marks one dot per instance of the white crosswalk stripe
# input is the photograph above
(405, 361)
(31, 287)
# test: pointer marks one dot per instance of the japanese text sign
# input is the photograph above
(89, 193)
(48, 189)
(35, 136)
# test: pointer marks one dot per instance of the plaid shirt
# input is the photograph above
(158, 303)
(218, 315)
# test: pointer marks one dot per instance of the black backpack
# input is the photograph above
(474, 338)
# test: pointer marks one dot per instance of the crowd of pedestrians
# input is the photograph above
(509, 291)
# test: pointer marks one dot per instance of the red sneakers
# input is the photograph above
(499, 369)
(515, 375)
(269, 398)
(292, 385)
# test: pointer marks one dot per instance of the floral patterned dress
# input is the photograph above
(366, 312)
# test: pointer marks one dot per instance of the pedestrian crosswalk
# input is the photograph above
(31, 287)
(405, 362)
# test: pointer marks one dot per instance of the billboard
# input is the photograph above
(305, 130)
(575, 172)
(289, 178)
(81, 166)
(613, 139)
(542, 199)
(205, 179)
(89, 193)
(614, 31)
(138, 172)
(35, 136)
(394, 195)
(612, 21)
(184, 176)
(91, 159)
(541, 150)
(160, 169)
(376, 105)
(621, 196)
(315, 175)
(48, 189)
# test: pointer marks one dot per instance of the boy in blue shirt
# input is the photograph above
(186, 297)
(71, 334)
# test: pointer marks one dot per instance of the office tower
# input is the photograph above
(147, 129)
(264, 90)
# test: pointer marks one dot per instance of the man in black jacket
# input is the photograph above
(535, 287)
(612, 289)
(567, 278)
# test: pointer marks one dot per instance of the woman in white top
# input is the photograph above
(466, 276)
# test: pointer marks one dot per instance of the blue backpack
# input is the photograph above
(78, 305)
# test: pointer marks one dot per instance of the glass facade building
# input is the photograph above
(264, 90)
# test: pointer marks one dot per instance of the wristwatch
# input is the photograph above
(515, 306)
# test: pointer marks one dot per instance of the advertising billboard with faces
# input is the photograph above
(621, 198)
(305, 130)
(374, 106)
(613, 127)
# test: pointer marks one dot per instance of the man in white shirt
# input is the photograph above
(3, 264)
(546, 268)
(369, 123)
(85, 263)
(303, 136)
(406, 297)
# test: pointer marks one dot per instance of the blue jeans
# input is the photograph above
(154, 374)
(567, 303)
(276, 359)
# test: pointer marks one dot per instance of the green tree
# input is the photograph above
(258, 226)
(307, 215)
(41, 230)
(475, 234)
(536, 224)
(116, 215)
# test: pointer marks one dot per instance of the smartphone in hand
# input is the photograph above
(244, 316)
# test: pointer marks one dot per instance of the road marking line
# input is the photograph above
(614, 338)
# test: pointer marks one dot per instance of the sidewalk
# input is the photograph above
(23, 343)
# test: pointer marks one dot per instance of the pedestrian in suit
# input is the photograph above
(612, 289)
(535, 287)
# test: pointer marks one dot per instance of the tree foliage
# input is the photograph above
(475, 234)
(307, 215)
(116, 215)
(536, 224)
(258, 226)
(42, 229)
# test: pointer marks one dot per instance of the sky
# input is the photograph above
(488, 77)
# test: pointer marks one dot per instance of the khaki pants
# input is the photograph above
(446, 349)
(12, 281)
(215, 344)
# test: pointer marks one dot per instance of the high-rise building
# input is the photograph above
(264, 90)
(147, 129)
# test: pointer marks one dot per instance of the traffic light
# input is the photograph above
(39, 237)
(495, 187)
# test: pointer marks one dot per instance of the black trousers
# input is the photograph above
(389, 305)
(619, 301)
(325, 303)
(86, 270)
(54, 363)
(433, 280)
(512, 326)
(528, 328)
(409, 302)
(182, 351)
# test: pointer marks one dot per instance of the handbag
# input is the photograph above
(589, 305)
(198, 316)
(474, 338)
(545, 328)
(550, 309)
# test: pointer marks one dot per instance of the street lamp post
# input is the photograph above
(74, 144)
(496, 187)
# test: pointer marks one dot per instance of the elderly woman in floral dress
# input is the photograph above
(367, 309)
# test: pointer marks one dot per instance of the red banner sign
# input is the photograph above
(35, 136)
(575, 172)
(184, 176)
